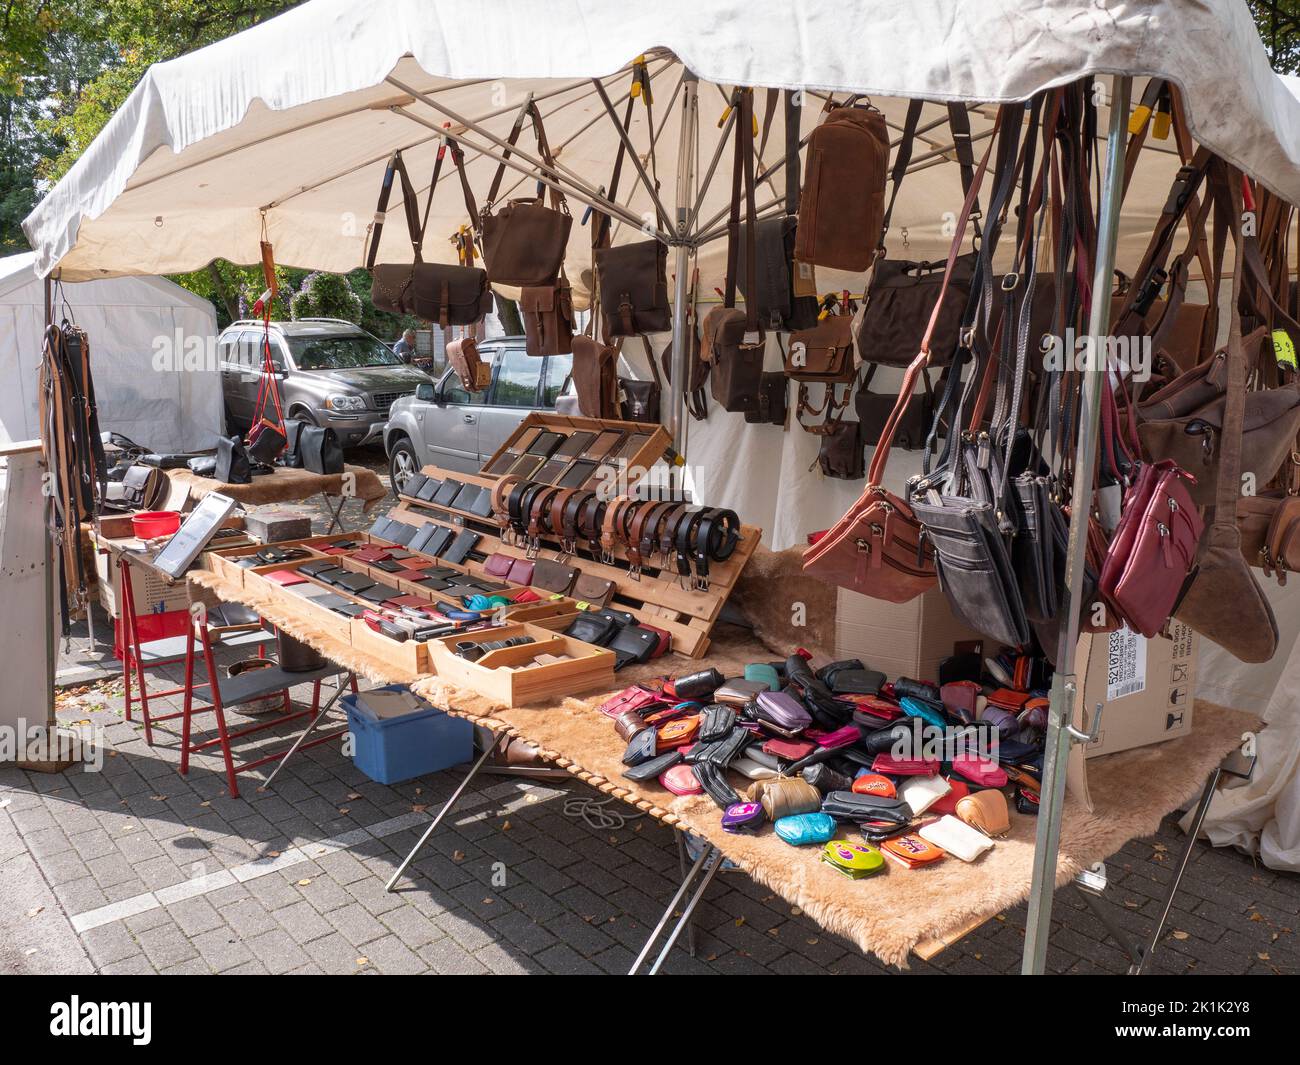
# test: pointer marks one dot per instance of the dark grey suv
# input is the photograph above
(330, 372)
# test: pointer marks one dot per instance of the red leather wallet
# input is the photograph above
(905, 767)
(285, 577)
(790, 750)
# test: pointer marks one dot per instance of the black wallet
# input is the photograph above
(354, 582)
(716, 722)
(631, 643)
(439, 542)
(413, 485)
(461, 546)
(592, 628)
(642, 747)
(656, 765)
(429, 489)
(447, 491)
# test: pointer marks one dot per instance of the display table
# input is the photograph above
(889, 916)
(285, 485)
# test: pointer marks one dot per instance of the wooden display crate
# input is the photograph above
(408, 655)
(655, 447)
(504, 676)
(656, 598)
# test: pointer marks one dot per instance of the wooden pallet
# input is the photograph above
(657, 598)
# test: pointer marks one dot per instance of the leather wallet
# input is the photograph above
(714, 782)
(553, 576)
(905, 767)
(958, 789)
(782, 712)
(638, 697)
(628, 724)
(985, 811)
(740, 692)
(716, 722)
(439, 541)
(447, 491)
(872, 711)
(855, 807)
(959, 697)
(592, 628)
(521, 571)
(911, 851)
(498, 563)
(428, 490)
(854, 860)
(956, 838)
(698, 685)
(884, 740)
(743, 817)
(631, 643)
(789, 750)
(874, 784)
(825, 779)
(318, 566)
(641, 748)
(920, 793)
(747, 767)
(461, 547)
(285, 577)
(354, 582)
(766, 673)
(652, 767)
(799, 830)
(725, 751)
(680, 780)
(980, 771)
(679, 732)
(593, 590)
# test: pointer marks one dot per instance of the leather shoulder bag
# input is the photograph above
(733, 344)
(437, 292)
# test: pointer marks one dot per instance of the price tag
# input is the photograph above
(1284, 349)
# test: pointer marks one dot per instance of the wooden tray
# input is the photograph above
(498, 675)
(656, 445)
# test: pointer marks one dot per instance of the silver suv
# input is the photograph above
(330, 372)
(443, 425)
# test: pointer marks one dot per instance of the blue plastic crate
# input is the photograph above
(391, 750)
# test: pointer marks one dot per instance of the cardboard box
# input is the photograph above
(901, 639)
(1145, 686)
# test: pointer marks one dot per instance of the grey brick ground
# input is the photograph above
(574, 900)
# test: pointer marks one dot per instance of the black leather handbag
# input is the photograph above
(319, 449)
(232, 466)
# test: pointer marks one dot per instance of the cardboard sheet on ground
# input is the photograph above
(889, 915)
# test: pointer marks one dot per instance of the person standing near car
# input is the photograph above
(404, 349)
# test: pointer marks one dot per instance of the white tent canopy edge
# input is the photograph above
(225, 97)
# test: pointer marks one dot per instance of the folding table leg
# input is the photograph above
(320, 715)
(335, 512)
(499, 741)
(709, 852)
(1198, 819)
(681, 865)
(220, 710)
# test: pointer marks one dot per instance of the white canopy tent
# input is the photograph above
(146, 389)
(283, 132)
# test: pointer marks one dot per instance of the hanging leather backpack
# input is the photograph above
(547, 313)
(844, 189)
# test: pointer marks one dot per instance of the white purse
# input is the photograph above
(956, 837)
(920, 793)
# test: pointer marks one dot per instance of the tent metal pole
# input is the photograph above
(682, 258)
(1061, 734)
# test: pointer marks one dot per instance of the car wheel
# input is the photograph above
(403, 463)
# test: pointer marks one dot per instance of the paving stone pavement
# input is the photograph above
(136, 869)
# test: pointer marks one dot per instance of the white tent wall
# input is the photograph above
(146, 388)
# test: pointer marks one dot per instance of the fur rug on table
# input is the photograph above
(287, 485)
(889, 914)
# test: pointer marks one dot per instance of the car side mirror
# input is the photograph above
(427, 393)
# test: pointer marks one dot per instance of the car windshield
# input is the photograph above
(346, 352)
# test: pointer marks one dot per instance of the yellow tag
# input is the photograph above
(1283, 349)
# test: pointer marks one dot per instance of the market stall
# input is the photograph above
(178, 178)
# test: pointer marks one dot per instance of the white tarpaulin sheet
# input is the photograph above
(133, 323)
